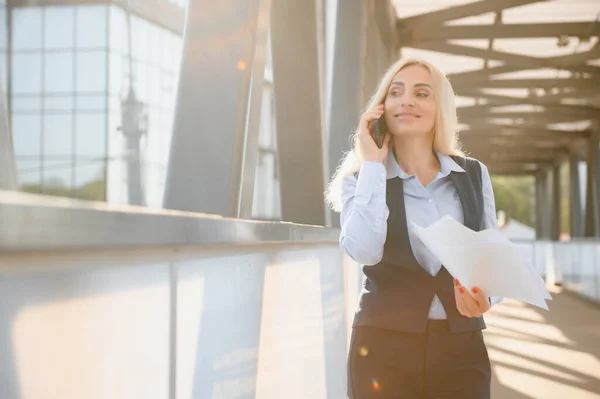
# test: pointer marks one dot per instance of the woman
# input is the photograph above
(417, 331)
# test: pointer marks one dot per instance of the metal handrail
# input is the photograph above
(31, 222)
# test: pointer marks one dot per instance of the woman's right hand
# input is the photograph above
(367, 148)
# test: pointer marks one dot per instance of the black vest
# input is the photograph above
(397, 292)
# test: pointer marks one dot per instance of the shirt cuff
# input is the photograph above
(371, 179)
(495, 300)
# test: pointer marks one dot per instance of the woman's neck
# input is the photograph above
(416, 157)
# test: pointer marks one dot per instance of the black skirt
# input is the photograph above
(436, 364)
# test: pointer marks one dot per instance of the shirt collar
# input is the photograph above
(447, 165)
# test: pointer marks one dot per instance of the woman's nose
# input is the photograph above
(407, 100)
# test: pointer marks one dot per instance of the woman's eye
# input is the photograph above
(395, 93)
(422, 94)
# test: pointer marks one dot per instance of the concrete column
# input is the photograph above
(592, 228)
(555, 215)
(346, 102)
(207, 149)
(575, 203)
(8, 176)
(539, 206)
(298, 111)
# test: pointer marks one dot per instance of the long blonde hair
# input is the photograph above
(445, 128)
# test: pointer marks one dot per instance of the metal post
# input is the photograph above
(591, 203)
(8, 179)
(543, 205)
(576, 210)
(555, 216)
(205, 163)
(250, 160)
(346, 101)
(298, 110)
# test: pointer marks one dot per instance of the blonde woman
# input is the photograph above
(417, 331)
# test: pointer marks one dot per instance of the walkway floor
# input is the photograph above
(537, 354)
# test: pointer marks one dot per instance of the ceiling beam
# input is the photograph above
(567, 110)
(425, 32)
(564, 61)
(523, 61)
(548, 102)
(536, 83)
(531, 118)
(462, 11)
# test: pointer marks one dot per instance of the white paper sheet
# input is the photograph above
(485, 259)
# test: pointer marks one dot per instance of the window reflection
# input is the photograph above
(69, 73)
(91, 26)
(26, 73)
(58, 72)
(27, 28)
(59, 23)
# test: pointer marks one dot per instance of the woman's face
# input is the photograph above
(410, 104)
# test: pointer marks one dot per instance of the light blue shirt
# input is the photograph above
(365, 212)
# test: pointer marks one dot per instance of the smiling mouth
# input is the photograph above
(403, 115)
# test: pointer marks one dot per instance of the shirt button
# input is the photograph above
(430, 200)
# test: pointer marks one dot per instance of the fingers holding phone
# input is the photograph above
(369, 133)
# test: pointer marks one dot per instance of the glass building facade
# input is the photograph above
(69, 73)
(66, 69)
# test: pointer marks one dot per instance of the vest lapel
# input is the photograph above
(468, 199)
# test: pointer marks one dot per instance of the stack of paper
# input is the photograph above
(485, 259)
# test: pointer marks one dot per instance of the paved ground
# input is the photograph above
(545, 355)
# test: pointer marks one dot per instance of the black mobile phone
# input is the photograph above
(380, 129)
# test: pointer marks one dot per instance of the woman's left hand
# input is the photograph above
(470, 305)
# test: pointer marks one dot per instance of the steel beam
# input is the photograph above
(523, 61)
(424, 33)
(205, 163)
(509, 131)
(579, 83)
(462, 11)
(346, 97)
(569, 61)
(298, 110)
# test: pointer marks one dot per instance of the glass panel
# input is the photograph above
(28, 170)
(118, 29)
(141, 39)
(157, 40)
(26, 74)
(58, 135)
(3, 69)
(90, 135)
(3, 31)
(54, 103)
(91, 26)
(90, 182)
(154, 86)
(58, 76)
(26, 104)
(27, 28)
(59, 25)
(27, 133)
(91, 71)
(57, 176)
(91, 103)
(117, 73)
(140, 81)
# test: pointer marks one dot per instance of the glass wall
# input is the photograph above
(58, 99)
(72, 70)
(155, 56)
(69, 75)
